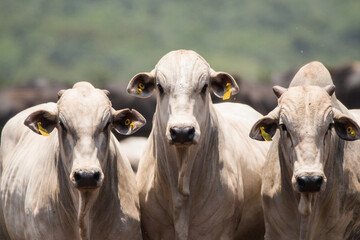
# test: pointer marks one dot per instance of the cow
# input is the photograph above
(199, 176)
(62, 173)
(310, 185)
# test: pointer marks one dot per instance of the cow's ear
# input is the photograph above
(222, 84)
(41, 122)
(264, 129)
(346, 128)
(142, 85)
(127, 121)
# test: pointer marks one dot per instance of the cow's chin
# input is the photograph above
(306, 202)
(182, 145)
(87, 189)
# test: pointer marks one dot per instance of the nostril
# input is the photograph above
(301, 181)
(77, 176)
(191, 133)
(97, 176)
(172, 134)
(318, 181)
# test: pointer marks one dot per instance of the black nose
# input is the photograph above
(87, 179)
(310, 183)
(182, 134)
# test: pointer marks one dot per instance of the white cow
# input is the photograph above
(73, 183)
(199, 176)
(310, 186)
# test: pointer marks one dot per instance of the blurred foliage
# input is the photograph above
(111, 40)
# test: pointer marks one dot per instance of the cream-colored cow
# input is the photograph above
(310, 186)
(200, 174)
(74, 183)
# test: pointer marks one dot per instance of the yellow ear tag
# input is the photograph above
(132, 125)
(350, 131)
(42, 130)
(138, 90)
(227, 93)
(141, 86)
(127, 122)
(265, 135)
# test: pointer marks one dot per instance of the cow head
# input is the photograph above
(182, 80)
(84, 119)
(306, 120)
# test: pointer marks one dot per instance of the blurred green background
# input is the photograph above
(112, 40)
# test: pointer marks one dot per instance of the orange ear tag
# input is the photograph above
(227, 93)
(350, 131)
(42, 130)
(265, 135)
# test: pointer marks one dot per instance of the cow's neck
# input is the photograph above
(176, 165)
(76, 204)
(316, 204)
(68, 202)
(66, 195)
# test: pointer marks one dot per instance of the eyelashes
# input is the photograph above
(63, 126)
(283, 127)
(204, 89)
(160, 88)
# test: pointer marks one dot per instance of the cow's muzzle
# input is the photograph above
(87, 180)
(309, 183)
(182, 135)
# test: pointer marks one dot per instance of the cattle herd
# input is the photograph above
(206, 171)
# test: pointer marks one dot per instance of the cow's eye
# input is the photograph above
(203, 90)
(160, 88)
(62, 126)
(283, 127)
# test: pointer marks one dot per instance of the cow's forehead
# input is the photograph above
(84, 105)
(182, 64)
(305, 105)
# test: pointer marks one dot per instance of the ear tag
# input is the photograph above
(227, 93)
(141, 86)
(350, 131)
(42, 130)
(265, 135)
(128, 122)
